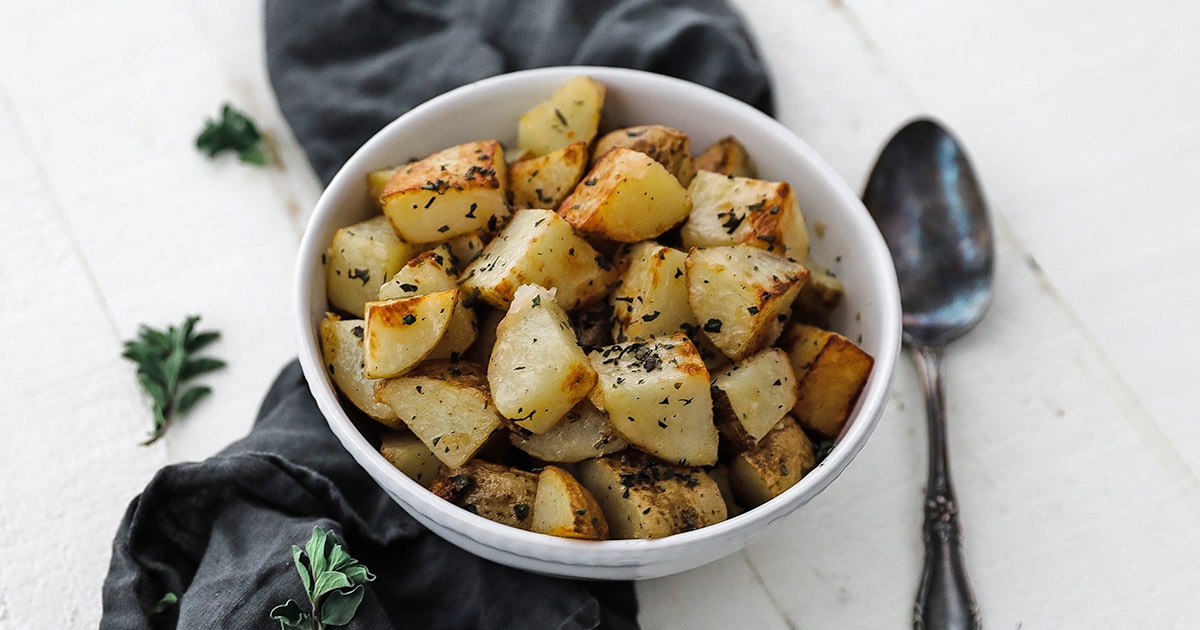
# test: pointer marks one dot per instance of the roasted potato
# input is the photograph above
(401, 333)
(544, 181)
(539, 247)
(657, 397)
(430, 272)
(629, 322)
(537, 371)
(820, 296)
(495, 492)
(583, 433)
(751, 396)
(775, 464)
(669, 146)
(644, 498)
(726, 156)
(410, 456)
(455, 191)
(563, 507)
(741, 295)
(831, 372)
(571, 114)
(651, 298)
(738, 210)
(376, 182)
(447, 405)
(466, 247)
(342, 348)
(627, 197)
(360, 258)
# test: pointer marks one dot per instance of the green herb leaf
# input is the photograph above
(339, 607)
(331, 577)
(291, 617)
(359, 574)
(233, 131)
(165, 363)
(330, 581)
(190, 397)
(163, 604)
(317, 554)
(300, 559)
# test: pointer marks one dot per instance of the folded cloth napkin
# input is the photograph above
(218, 534)
(343, 70)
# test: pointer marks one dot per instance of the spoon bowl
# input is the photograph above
(925, 198)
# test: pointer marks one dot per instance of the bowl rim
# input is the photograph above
(562, 556)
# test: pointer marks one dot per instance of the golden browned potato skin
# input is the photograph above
(775, 464)
(831, 372)
(726, 156)
(496, 492)
(644, 498)
(668, 146)
(565, 508)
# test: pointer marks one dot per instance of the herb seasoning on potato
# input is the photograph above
(598, 336)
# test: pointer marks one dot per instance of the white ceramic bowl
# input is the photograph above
(847, 240)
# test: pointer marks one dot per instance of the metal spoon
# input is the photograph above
(928, 205)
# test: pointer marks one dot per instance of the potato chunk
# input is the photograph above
(733, 210)
(563, 507)
(342, 349)
(570, 114)
(652, 298)
(539, 247)
(831, 372)
(750, 397)
(644, 498)
(446, 405)
(657, 397)
(726, 156)
(410, 456)
(430, 272)
(498, 493)
(454, 191)
(627, 197)
(376, 182)
(544, 181)
(583, 433)
(537, 371)
(779, 460)
(670, 147)
(741, 295)
(360, 258)
(819, 297)
(401, 333)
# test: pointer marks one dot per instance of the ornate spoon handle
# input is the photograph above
(944, 599)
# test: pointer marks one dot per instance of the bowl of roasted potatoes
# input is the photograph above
(595, 322)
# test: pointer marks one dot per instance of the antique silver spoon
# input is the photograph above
(927, 203)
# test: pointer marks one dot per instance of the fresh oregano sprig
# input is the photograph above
(233, 131)
(333, 581)
(167, 360)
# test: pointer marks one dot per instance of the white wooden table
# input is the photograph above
(1074, 436)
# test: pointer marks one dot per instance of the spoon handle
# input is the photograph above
(944, 599)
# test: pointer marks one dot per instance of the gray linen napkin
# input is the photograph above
(218, 533)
